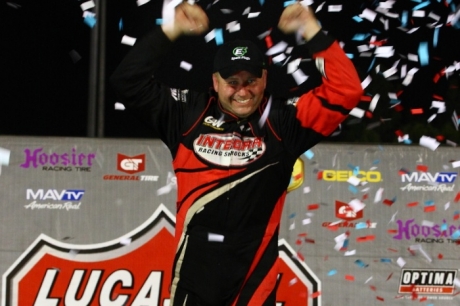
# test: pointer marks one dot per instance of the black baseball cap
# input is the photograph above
(239, 55)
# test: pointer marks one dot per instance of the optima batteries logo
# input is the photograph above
(344, 176)
(440, 181)
(54, 199)
(427, 281)
(131, 165)
(52, 161)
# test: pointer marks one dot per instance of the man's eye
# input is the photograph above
(251, 81)
(232, 83)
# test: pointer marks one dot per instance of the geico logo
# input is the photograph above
(344, 175)
(130, 163)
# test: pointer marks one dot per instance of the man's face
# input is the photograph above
(241, 93)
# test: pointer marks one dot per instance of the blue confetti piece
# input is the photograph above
(349, 55)
(120, 25)
(385, 260)
(353, 189)
(435, 37)
(332, 272)
(360, 36)
(456, 235)
(407, 141)
(219, 37)
(404, 18)
(309, 154)
(159, 21)
(287, 3)
(90, 21)
(291, 215)
(361, 225)
(356, 171)
(261, 2)
(395, 101)
(345, 244)
(444, 227)
(371, 65)
(357, 19)
(429, 203)
(423, 53)
(376, 162)
(360, 263)
(421, 5)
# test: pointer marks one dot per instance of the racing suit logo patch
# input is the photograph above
(229, 149)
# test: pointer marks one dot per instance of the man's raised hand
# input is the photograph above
(189, 19)
(296, 17)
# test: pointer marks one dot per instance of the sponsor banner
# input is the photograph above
(70, 160)
(427, 281)
(132, 270)
(131, 165)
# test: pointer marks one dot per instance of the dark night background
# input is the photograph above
(45, 65)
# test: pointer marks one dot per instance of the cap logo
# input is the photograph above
(240, 51)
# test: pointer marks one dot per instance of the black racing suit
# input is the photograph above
(232, 173)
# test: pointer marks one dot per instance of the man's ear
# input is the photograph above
(215, 81)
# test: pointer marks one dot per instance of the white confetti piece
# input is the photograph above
(292, 226)
(306, 189)
(429, 142)
(278, 48)
(446, 206)
(378, 195)
(341, 238)
(4, 156)
(350, 253)
(279, 58)
(119, 106)
(306, 221)
(299, 76)
(233, 26)
(127, 40)
(368, 14)
(374, 102)
(142, 2)
(186, 66)
(293, 66)
(418, 13)
(215, 237)
(87, 5)
(401, 262)
(368, 280)
(334, 8)
(427, 223)
(354, 180)
(357, 112)
(457, 282)
(253, 15)
(366, 82)
(292, 281)
(456, 164)
(356, 205)
(125, 241)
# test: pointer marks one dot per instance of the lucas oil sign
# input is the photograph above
(134, 269)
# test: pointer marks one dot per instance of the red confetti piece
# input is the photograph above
(438, 97)
(349, 277)
(440, 138)
(440, 256)
(412, 204)
(333, 227)
(368, 114)
(373, 288)
(416, 111)
(392, 250)
(298, 242)
(366, 98)
(268, 41)
(365, 196)
(389, 276)
(319, 175)
(313, 206)
(298, 176)
(423, 299)
(314, 295)
(457, 197)
(399, 133)
(309, 240)
(302, 235)
(388, 202)
(398, 108)
(456, 216)
(380, 298)
(422, 168)
(429, 208)
(300, 256)
(392, 231)
(365, 238)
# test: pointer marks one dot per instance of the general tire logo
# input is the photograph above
(345, 212)
(134, 270)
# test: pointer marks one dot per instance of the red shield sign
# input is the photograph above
(132, 270)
